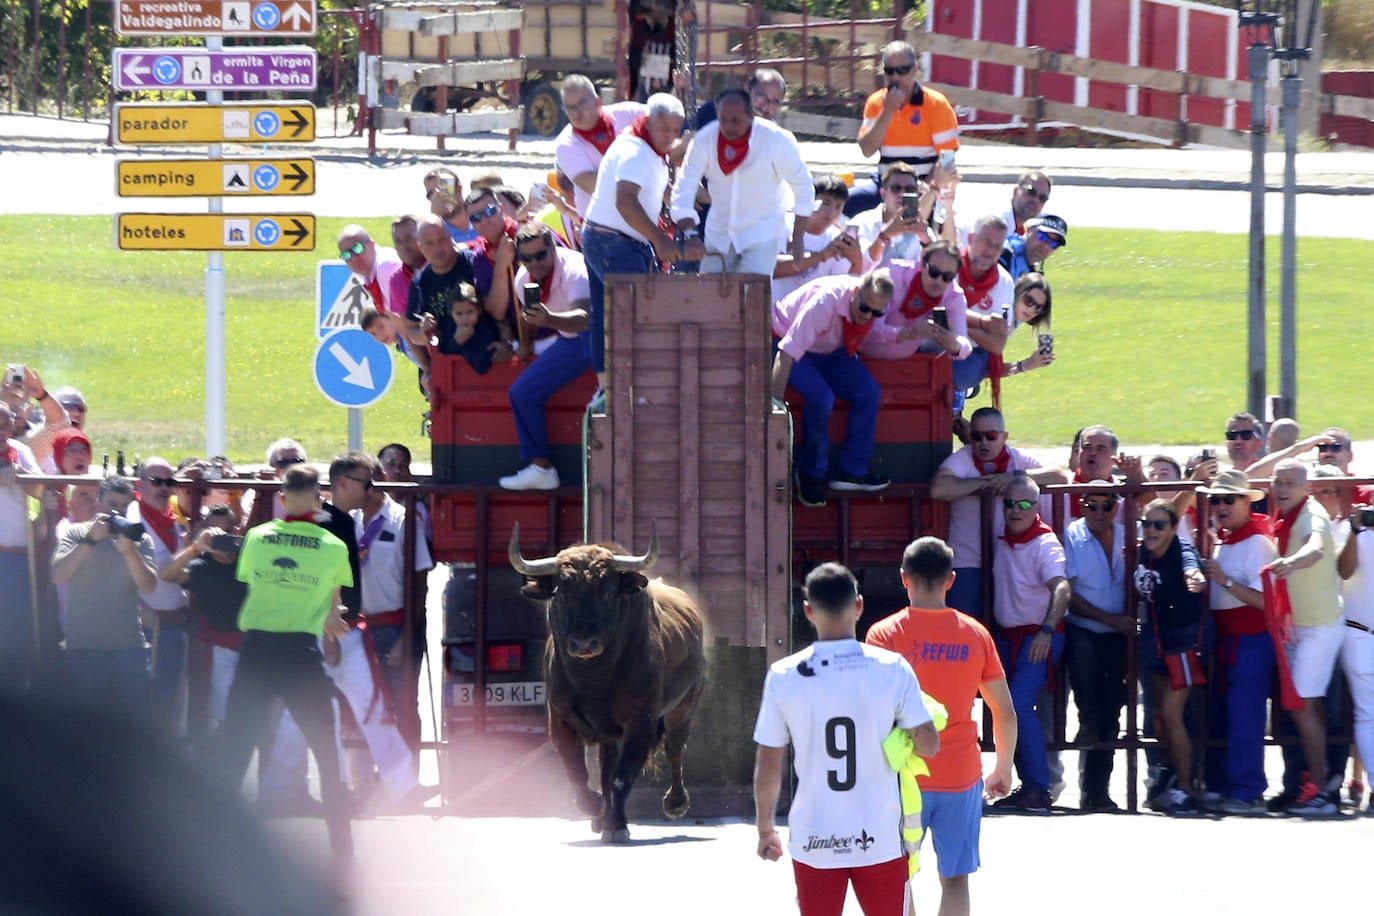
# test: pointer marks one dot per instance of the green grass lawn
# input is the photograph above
(1149, 334)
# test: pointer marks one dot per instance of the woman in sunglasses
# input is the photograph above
(1031, 303)
(1169, 581)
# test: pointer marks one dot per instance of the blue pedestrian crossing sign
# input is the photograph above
(340, 298)
(352, 369)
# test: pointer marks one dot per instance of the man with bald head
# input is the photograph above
(747, 162)
(427, 310)
(373, 266)
(164, 608)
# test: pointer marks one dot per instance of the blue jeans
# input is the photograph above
(548, 372)
(820, 378)
(608, 253)
(1239, 715)
(1026, 680)
(169, 667)
(965, 373)
(966, 594)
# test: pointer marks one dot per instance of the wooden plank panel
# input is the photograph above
(690, 466)
(989, 101)
(756, 401)
(620, 305)
(600, 473)
(468, 72)
(777, 523)
(453, 124)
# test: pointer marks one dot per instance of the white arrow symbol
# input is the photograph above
(133, 72)
(358, 373)
(296, 16)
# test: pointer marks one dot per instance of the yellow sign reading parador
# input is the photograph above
(215, 231)
(174, 123)
(214, 177)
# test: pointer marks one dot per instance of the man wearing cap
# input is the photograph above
(1043, 237)
(820, 328)
(1097, 633)
(1245, 651)
(1030, 601)
(592, 127)
(986, 465)
(1307, 578)
(373, 266)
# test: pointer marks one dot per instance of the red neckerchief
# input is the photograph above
(854, 334)
(64, 438)
(374, 289)
(640, 129)
(546, 284)
(1076, 504)
(161, 522)
(313, 518)
(1036, 529)
(602, 135)
(975, 291)
(481, 246)
(999, 465)
(917, 292)
(730, 153)
(1283, 526)
(11, 454)
(1258, 524)
(409, 271)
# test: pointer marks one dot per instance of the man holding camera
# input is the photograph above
(107, 566)
(895, 228)
(165, 606)
(556, 300)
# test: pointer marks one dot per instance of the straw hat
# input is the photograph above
(1230, 483)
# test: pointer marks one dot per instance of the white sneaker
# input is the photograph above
(531, 477)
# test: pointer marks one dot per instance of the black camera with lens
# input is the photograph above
(1367, 518)
(125, 528)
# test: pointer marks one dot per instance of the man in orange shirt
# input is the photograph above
(954, 658)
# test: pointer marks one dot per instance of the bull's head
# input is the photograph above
(586, 585)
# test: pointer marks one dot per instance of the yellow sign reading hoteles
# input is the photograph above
(279, 122)
(215, 231)
(214, 177)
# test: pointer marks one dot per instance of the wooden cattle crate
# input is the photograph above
(690, 447)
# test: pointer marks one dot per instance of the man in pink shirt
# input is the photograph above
(371, 264)
(820, 328)
(1031, 601)
(928, 310)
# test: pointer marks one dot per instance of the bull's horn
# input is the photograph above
(639, 564)
(545, 566)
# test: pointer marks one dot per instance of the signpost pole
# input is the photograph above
(355, 429)
(215, 422)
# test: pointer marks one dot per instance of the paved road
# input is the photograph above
(1103, 188)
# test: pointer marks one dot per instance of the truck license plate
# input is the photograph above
(519, 693)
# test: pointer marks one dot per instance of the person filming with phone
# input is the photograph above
(555, 300)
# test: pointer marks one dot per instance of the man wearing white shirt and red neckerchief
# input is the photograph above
(16, 600)
(988, 289)
(820, 328)
(1245, 651)
(622, 235)
(561, 314)
(1308, 581)
(920, 288)
(1031, 601)
(591, 129)
(836, 702)
(164, 609)
(746, 161)
(986, 464)
(1356, 566)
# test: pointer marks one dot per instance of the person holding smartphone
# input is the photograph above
(928, 312)
(898, 227)
(1030, 305)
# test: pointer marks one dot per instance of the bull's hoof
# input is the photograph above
(589, 802)
(676, 801)
(615, 837)
(599, 825)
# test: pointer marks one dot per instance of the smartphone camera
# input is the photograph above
(226, 543)
(947, 159)
(531, 295)
(1367, 518)
(911, 206)
(1046, 343)
(940, 315)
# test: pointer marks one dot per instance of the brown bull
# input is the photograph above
(624, 666)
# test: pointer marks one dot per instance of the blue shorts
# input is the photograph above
(954, 819)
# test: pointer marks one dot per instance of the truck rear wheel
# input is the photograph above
(543, 110)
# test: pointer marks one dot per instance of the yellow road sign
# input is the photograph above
(155, 122)
(214, 177)
(215, 231)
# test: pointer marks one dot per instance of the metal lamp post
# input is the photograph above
(1260, 22)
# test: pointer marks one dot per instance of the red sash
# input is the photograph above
(381, 695)
(1278, 617)
(730, 153)
(374, 289)
(161, 522)
(854, 334)
(640, 129)
(1243, 620)
(602, 135)
(976, 291)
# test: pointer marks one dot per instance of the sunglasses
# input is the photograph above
(71, 407)
(898, 71)
(1105, 506)
(1331, 447)
(534, 257)
(1030, 189)
(1025, 505)
(1154, 524)
(349, 254)
(1053, 241)
(940, 274)
(1247, 434)
(870, 310)
(162, 481)
(480, 215)
(1229, 498)
(287, 462)
(903, 188)
(365, 482)
(442, 188)
(1037, 304)
(990, 435)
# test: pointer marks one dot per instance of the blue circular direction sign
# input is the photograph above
(166, 70)
(266, 16)
(266, 123)
(353, 369)
(266, 232)
(266, 177)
